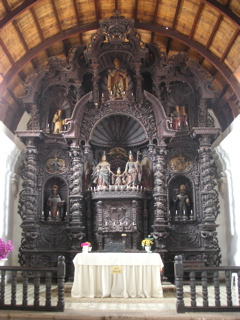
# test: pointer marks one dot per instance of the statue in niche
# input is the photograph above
(117, 179)
(55, 204)
(176, 118)
(184, 117)
(182, 201)
(117, 81)
(101, 175)
(58, 122)
(132, 172)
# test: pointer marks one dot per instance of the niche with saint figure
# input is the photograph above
(55, 200)
(180, 193)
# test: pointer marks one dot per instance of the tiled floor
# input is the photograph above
(121, 308)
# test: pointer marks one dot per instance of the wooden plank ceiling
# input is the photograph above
(34, 30)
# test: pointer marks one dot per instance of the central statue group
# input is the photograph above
(131, 177)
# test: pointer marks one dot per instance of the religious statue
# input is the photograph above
(117, 81)
(55, 204)
(132, 172)
(182, 201)
(184, 117)
(117, 179)
(176, 122)
(58, 122)
(101, 175)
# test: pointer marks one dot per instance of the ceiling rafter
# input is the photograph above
(96, 10)
(195, 22)
(174, 24)
(76, 11)
(8, 54)
(135, 11)
(11, 93)
(39, 29)
(223, 10)
(42, 46)
(116, 5)
(17, 11)
(210, 39)
(231, 42)
(6, 5)
(20, 35)
(56, 15)
(200, 49)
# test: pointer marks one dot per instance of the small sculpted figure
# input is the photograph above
(55, 204)
(101, 175)
(117, 81)
(182, 201)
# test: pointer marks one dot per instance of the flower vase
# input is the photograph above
(85, 249)
(2, 262)
(148, 248)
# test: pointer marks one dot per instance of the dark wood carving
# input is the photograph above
(119, 97)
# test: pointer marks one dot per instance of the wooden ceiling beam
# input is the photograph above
(223, 10)
(210, 39)
(156, 11)
(135, 11)
(17, 66)
(39, 29)
(56, 15)
(22, 75)
(66, 46)
(173, 24)
(6, 5)
(96, 10)
(5, 49)
(20, 35)
(76, 11)
(116, 5)
(230, 44)
(196, 19)
(16, 12)
(11, 93)
(227, 74)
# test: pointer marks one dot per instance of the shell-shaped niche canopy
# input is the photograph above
(118, 130)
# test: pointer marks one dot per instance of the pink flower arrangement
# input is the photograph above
(5, 248)
(88, 244)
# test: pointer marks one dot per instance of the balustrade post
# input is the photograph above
(25, 289)
(178, 271)
(193, 288)
(61, 278)
(204, 289)
(14, 288)
(216, 288)
(48, 289)
(228, 275)
(2, 298)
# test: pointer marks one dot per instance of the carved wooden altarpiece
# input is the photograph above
(115, 131)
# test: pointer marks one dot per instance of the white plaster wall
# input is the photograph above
(11, 157)
(227, 148)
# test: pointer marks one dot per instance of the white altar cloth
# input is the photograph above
(139, 276)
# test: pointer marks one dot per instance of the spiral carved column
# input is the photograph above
(160, 199)
(75, 228)
(210, 202)
(28, 202)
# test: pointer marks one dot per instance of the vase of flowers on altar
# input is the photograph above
(5, 249)
(146, 243)
(86, 247)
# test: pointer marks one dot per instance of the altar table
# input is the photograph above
(96, 276)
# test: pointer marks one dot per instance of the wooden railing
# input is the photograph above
(209, 278)
(32, 275)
